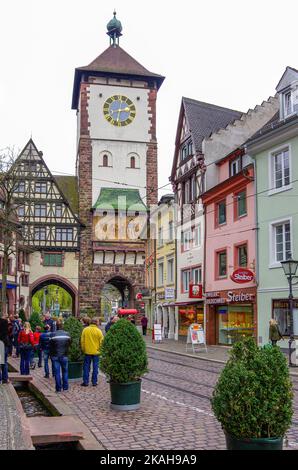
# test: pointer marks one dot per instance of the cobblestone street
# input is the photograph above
(175, 411)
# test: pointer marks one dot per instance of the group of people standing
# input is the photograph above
(52, 345)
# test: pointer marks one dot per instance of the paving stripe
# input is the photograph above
(193, 408)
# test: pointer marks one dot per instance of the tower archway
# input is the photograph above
(58, 281)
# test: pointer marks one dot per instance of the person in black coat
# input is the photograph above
(4, 337)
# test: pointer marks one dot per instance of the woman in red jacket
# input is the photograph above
(26, 342)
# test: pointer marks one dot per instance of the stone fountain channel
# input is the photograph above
(34, 407)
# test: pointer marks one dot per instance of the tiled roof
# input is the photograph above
(114, 60)
(120, 199)
(205, 118)
(69, 187)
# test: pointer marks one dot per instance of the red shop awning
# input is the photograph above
(127, 311)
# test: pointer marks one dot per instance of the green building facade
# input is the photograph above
(274, 150)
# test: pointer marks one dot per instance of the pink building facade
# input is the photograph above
(230, 254)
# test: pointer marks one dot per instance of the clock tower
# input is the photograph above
(115, 100)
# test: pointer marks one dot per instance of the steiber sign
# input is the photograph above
(242, 275)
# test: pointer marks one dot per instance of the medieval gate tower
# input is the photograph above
(115, 100)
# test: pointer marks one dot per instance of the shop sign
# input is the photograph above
(213, 298)
(195, 291)
(241, 297)
(242, 275)
(160, 295)
(139, 296)
(169, 293)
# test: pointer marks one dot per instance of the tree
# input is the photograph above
(10, 228)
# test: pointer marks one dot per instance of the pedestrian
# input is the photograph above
(44, 343)
(109, 324)
(144, 323)
(91, 341)
(274, 332)
(36, 348)
(48, 321)
(10, 334)
(4, 341)
(17, 326)
(59, 345)
(85, 321)
(26, 344)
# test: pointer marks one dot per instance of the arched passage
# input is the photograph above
(60, 282)
(124, 288)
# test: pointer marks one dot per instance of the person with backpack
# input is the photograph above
(59, 344)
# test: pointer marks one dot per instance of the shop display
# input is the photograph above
(234, 323)
(189, 315)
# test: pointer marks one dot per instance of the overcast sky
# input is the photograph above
(231, 53)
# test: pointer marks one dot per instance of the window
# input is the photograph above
(64, 234)
(196, 235)
(20, 187)
(194, 188)
(241, 204)
(235, 166)
(25, 280)
(170, 271)
(52, 259)
(189, 148)
(282, 241)
(40, 210)
(287, 104)
(196, 275)
(171, 230)
(242, 256)
(21, 211)
(10, 267)
(39, 233)
(281, 169)
(187, 191)
(281, 313)
(160, 274)
(105, 160)
(186, 150)
(58, 210)
(132, 162)
(160, 236)
(40, 187)
(186, 238)
(185, 280)
(222, 263)
(221, 212)
(1, 264)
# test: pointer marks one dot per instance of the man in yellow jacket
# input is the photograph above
(91, 341)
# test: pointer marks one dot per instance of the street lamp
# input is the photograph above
(290, 268)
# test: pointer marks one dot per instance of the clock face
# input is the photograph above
(119, 110)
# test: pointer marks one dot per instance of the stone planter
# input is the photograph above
(75, 370)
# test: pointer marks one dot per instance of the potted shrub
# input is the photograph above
(75, 356)
(253, 397)
(124, 361)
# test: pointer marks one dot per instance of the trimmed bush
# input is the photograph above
(124, 356)
(22, 315)
(74, 327)
(36, 320)
(253, 396)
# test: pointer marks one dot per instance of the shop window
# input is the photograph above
(242, 256)
(241, 209)
(188, 315)
(221, 213)
(281, 313)
(222, 263)
(235, 322)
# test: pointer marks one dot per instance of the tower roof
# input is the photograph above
(116, 62)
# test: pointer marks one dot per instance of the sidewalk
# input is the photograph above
(14, 432)
(214, 353)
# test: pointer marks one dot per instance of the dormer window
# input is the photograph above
(288, 108)
(235, 166)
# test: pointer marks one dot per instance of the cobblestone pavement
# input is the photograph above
(175, 412)
(11, 433)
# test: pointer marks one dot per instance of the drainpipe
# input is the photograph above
(256, 237)
(204, 269)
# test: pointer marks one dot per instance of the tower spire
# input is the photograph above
(114, 28)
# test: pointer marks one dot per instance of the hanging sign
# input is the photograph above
(139, 296)
(242, 275)
(195, 291)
